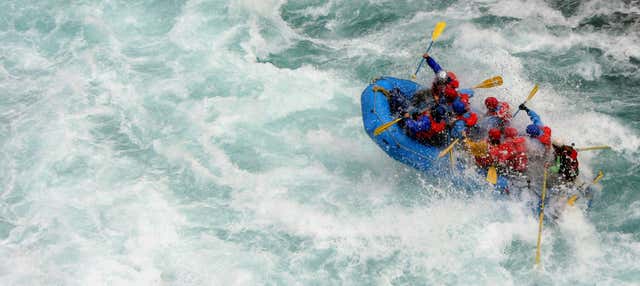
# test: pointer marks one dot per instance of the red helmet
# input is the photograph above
(510, 132)
(453, 79)
(494, 134)
(491, 103)
(450, 93)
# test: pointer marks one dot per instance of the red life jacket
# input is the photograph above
(519, 144)
(436, 127)
(470, 121)
(568, 157)
(518, 160)
(504, 111)
(484, 162)
(450, 93)
(501, 153)
(464, 98)
(545, 137)
(453, 80)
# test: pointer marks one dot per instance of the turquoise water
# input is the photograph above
(221, 143)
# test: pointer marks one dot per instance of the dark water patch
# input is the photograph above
(189, 187)
(162, 111)
(219, 83)
(303, 52)
(72, 166)
(209, 217)
(617, 22)
(367, 71)
(309, 119)
(352, 19)
(293, 13)
(367, 20)
(280, 243)
(147, 18)
(613, 204)
(587, 73)
(492, 21)
(60, 40)
(518, 258)
(246, 155)
(568, 8)
(144, 49)
(5, 229)
(156, 70)
(108, 130)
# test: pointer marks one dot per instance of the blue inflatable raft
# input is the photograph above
(376, 111)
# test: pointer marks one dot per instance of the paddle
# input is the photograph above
(541, 219)
(452, 160)
(446, 150)
(593, 148)
(436, 33)
(492, 82)
(572, 200)
(531, 94)
(492, 175)
(384, 127)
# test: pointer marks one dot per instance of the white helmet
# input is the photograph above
(442, 77)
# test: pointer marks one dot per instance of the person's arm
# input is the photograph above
(470, 118)
(467, 91)
(458, 128)
(421, 124)
(535, 118)
(432, 64)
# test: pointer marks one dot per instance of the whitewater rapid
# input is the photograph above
(221, 143)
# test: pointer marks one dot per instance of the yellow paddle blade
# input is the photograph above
(532, 93)
(385, 126)
(597, 178)
(438, 30)
(492, 175)
(593, 148)
(492, 82)
(572, 200)
(448, 149)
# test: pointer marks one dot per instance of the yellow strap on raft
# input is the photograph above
(381, 89)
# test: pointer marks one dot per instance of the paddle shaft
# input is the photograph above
(422, 61)
(541, 219)
(593, 148)
(514, 116)
(531, 94)
(517, 111)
